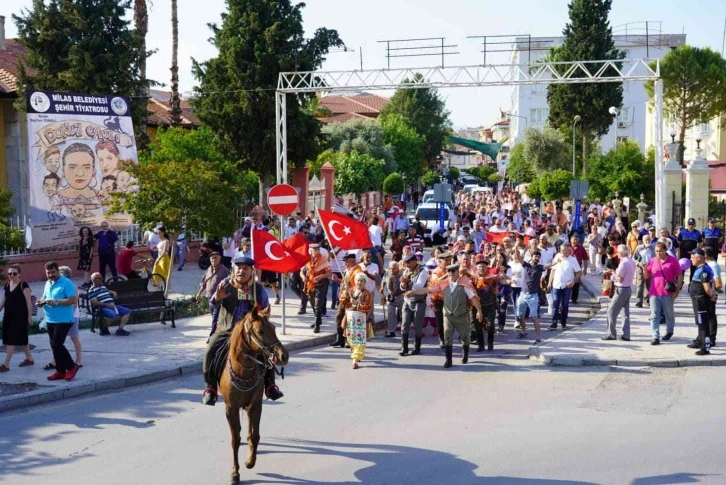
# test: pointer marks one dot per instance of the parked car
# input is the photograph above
(429, 212)
(469, 187)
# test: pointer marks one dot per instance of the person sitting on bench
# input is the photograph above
(102, 297)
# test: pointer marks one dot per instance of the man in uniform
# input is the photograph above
(702, 294)
(486, 289)
(347, 283)
(712, 235)
(237, 295)
(458, 299)
(394, 298)
(414, 306)
(437, 279)
(689, 238)
(316, 280)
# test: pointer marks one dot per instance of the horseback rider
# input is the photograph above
(238, 295)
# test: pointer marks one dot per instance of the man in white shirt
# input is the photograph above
(291, 229)
(414, 277)
(370, 269)
(565, 273)
(376, 234)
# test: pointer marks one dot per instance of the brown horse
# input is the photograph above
(242, 384)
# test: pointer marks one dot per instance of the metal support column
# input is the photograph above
(281, 170)
(661, 203)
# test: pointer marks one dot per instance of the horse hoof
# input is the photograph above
(250, 464)
(234, 480)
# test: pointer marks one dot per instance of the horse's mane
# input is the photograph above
(236, 339)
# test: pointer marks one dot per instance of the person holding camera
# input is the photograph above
(665, 282)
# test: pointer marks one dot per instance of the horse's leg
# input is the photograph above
(254, 412)
(235, 428)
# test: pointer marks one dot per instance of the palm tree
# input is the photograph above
(175, 101)
(141, 22)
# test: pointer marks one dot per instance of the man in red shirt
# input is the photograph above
(582, 259)
(124, 261)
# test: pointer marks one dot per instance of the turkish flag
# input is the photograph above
(270, 255)
(344, 232)
(297, 246)
(498, 237)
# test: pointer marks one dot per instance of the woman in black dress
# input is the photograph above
(18, 317)
(85, 254)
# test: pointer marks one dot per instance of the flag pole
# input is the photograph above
(282, 285)
(337, 261)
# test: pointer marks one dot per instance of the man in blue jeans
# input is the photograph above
(102, 297)
(566, 272)
(107, 242)
(59, 297)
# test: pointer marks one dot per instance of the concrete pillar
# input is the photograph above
(673, 179)
(698, 174)
(327, 173)
(300, 178)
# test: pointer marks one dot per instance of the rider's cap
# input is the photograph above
(242, 259)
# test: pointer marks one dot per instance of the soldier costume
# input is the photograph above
(414, 306)
(440, 276)
(317, 291)
(486, 289)
(394, 298)
(457, 300)
(239, 301)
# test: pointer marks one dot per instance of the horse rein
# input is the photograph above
(266, 349)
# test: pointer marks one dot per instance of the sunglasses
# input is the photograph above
(12, 273)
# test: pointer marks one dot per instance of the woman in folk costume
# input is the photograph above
(361, 300)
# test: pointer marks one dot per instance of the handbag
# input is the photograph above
(608, 288)
(670, 286)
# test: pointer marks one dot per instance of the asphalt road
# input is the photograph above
(396, 420)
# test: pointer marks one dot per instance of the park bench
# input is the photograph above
(134, 294)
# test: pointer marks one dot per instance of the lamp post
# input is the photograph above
(577, 118)
(615, 112)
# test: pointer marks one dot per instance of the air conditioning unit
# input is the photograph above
(621, 125)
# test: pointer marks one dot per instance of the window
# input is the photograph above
(622, 139)
(703, 128)
(539, 116)
(625, 115)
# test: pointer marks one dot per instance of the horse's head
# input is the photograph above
(260, 337)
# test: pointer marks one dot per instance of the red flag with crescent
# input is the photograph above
(344, 232)
(298, 247)
(498, 237)
(271, 255)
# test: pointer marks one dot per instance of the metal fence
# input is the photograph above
(133, 233)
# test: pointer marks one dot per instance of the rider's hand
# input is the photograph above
(221, 292)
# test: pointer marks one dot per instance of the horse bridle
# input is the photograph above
(250, 337)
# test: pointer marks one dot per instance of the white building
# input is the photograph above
(529, 102)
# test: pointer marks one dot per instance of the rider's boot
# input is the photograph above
(271, 390)
(209, 397)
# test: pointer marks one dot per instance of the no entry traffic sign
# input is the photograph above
(282, 199)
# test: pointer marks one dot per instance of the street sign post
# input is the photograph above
(578, 214)
(442, 193)
(579, 189)
(283, 199)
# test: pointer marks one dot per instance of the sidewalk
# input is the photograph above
(582, 345)
(152, 352)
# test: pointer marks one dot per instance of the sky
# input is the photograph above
(362, 23)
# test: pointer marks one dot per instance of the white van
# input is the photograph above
(429, 213)
(428, 196)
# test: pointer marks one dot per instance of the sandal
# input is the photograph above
(27, 362)
(48, 366)
(4, 368)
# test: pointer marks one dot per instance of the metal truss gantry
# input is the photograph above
(573, 72)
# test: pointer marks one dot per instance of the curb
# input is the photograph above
(45, 395)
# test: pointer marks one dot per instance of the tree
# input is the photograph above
(623, 169)
(430, 178)
(545, 150)
(425, 112)
(393, 184)
(454, 172)
(236, 93)
(10, 239)
(363, 136)
(588, 37)
(408, 146)
(356, 173)
(551, 185)
(174, 144)
(175, 101)
(82, 46)
(519, 170)
(177, 193)
(694, 87)
(482, 172)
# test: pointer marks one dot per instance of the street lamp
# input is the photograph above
(615, 112)
(577, 118)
